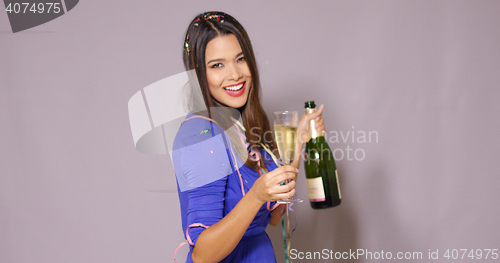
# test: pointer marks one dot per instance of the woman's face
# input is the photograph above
(228, 76)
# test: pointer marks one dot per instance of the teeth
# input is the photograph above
(234, 88)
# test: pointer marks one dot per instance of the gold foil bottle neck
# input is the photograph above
(313, 133)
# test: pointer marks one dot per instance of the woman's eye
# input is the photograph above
(216, 65)
(241, 59)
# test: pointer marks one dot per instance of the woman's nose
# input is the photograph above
(234, 72)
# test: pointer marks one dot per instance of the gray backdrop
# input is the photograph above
(422, 75)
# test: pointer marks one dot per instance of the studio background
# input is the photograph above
(423, 75)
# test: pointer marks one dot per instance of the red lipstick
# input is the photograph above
(238, 92)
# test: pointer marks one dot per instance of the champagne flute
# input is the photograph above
(285, 131)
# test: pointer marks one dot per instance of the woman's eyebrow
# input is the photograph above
(215, 60)
(221, 59)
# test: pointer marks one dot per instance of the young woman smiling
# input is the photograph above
(226, 202)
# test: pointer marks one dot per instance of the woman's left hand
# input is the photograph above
(303, 135)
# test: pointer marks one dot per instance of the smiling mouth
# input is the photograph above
(236, 87)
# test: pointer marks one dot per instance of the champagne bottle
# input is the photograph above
(321, 172)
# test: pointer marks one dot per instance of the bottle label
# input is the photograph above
(315, 189)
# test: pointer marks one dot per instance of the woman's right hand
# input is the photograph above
(268, 188)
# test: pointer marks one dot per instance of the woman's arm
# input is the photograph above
(217, 241)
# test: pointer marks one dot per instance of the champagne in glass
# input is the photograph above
(286, 138)
(285, 131)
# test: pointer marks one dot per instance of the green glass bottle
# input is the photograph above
(321, 172)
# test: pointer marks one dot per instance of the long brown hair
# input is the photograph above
(201, 30)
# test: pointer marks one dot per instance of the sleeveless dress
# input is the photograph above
(209, 188)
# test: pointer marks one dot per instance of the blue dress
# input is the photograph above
(209, 188)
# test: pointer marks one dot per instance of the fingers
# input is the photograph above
(320, 125)
(319, 122)
(320, 109)
(275, 192)
(286, 195)
(283, 173)
(289, 171)
(311, 116)
(269, 187)
(289, 168)
(317, 112)
(284, 169)
(285, 177)
(289, 186)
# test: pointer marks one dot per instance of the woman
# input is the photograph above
(224, 200)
